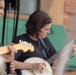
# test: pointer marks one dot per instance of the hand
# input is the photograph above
(9, 57)
(73, 51)
(74, 47)
(38, 66)
(12, 66)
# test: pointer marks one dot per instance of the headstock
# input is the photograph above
(25, 46)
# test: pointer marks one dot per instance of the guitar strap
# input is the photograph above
(43, 43)
(45, 52)
(49, 58)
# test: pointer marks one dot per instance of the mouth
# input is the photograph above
(1, 16)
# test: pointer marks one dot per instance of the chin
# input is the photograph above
(43, 37)
(1, 16)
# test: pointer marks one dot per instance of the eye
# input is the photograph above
(1, 8)
(47, 29)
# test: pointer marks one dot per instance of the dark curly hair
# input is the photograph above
(36, 22)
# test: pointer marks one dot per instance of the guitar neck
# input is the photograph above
(51, 59)
(67, 49)
(5, 49)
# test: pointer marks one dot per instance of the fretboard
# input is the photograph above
(66, 49)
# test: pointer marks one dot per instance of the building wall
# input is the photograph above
(70, 17)
(55, 9)
(70, 11)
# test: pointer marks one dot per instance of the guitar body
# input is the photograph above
(46, 71)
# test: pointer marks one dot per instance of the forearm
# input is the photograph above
(22, 65)
(5, 60)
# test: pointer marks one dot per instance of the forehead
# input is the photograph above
(47, 26)
(2, 3)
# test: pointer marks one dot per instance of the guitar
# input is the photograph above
(47, 70)
(24, 46)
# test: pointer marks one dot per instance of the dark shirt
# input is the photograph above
(38, 48)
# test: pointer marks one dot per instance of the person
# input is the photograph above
(8, 57)
(1, 8)
(37, 28)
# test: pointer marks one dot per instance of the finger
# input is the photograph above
(13, 70)
(12, 49)
(12, 67)
(74, 48)
(12, 43)
(41, 67)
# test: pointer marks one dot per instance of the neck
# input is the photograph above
(33, 38)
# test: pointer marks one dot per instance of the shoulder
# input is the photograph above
(17, 38)
(46, 40)
(49, 46)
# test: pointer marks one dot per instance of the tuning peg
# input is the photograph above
(26, 43)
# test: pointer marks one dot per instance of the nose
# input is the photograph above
(2, 13)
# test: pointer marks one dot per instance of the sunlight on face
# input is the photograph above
(1, 8)
(45, 31)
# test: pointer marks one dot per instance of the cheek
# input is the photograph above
(1, 12)
(42, 35)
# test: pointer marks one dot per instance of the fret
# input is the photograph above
(51, 59)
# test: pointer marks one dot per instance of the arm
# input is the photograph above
(29, 66)
(21, 65)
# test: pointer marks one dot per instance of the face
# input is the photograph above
(1, 8)
(45, 31)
